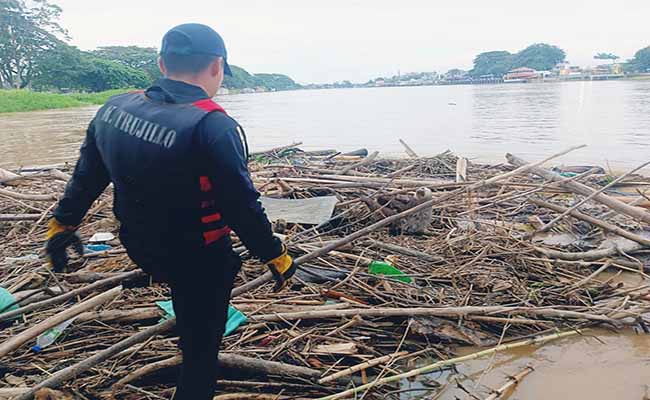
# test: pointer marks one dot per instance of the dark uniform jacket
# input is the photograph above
(178, 167)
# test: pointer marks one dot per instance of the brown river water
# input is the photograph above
(480, 122)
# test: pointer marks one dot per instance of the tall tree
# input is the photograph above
(641, 60)
(540, 56)
(495, 63)
(27, 32)
(141, 58)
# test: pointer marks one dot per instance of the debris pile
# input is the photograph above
(412, 259)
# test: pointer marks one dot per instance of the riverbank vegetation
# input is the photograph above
(35, 55)
(15, 100)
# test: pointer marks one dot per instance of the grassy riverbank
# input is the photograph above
(27, 100)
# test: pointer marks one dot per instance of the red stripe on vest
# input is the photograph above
(211, 218)
(213, 236)
(208, 105)
(204, 181)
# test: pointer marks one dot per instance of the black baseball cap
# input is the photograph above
(194, 38)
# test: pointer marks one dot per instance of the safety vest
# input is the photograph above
(164, 188)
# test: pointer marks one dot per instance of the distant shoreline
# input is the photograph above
(13, 101)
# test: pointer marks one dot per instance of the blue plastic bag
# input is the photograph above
(235, 317)
(7, 298)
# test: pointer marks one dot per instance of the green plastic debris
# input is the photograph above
(235, 317)
(7, 298)
(383, 268)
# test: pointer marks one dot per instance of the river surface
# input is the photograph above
(480, 122)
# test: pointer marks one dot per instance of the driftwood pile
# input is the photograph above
(492, 256)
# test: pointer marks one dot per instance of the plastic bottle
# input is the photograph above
(49, 336)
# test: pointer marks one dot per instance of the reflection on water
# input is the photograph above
(480, 122)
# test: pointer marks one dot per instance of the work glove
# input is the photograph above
(282, 268)
(59, 238)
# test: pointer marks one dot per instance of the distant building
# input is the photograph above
(522, 74)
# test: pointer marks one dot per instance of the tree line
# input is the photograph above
(35, 54)
(544, 57)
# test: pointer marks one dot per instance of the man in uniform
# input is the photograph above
(177, 162)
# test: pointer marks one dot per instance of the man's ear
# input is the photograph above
(161, 65)
(216, 67)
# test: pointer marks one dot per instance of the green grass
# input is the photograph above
(27, 100)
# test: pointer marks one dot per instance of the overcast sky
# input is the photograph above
(334, 40)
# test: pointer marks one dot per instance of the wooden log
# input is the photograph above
(228, 361)
(591, 255)
(594, 221)
(18, 340)
(26, 196)
(408, 149)
(20, 217)
(55, 173)
(584, 190)
(108, 282)
(461, 170)
(10, 393)
(361, 163)
(8, 176)
(134, 315)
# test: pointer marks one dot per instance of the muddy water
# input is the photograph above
(481, 122)
(600, 365)
(42, 137)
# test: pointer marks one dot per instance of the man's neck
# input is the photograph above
(189, 80)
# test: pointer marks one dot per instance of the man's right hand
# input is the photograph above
(282, 268)
(59, 238)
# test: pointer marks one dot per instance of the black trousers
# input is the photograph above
(201, 281)
(201, 307)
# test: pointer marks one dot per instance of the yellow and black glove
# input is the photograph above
(282, 268)
(59, 238)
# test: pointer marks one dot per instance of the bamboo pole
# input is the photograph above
(440, 364)
(428, 312)
(24, 196)
(361, 366)
(20, 217)
(112, 281)
(18, 340)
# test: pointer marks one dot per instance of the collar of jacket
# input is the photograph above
(172, 91)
